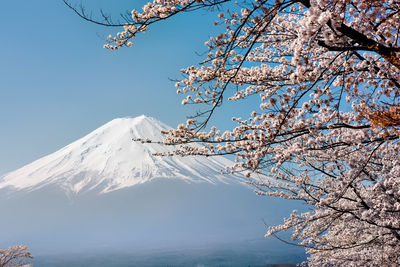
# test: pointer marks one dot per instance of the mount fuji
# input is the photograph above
(107, 159)
(105, 200)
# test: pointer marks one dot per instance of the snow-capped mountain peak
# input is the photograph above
(107, 159)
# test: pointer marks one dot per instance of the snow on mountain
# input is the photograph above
(107, 159)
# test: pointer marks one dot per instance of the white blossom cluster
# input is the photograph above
(14, 256)
(314, 64)
(152, 12)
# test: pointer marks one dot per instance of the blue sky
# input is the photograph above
(58, 83)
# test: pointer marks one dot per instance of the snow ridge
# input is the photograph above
(107, 159)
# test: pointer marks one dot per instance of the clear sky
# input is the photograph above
(58, 83)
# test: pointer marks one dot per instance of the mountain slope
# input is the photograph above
(107, 159)
(130, 208)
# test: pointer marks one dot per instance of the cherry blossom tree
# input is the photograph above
(14, 256)
(326, 130)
